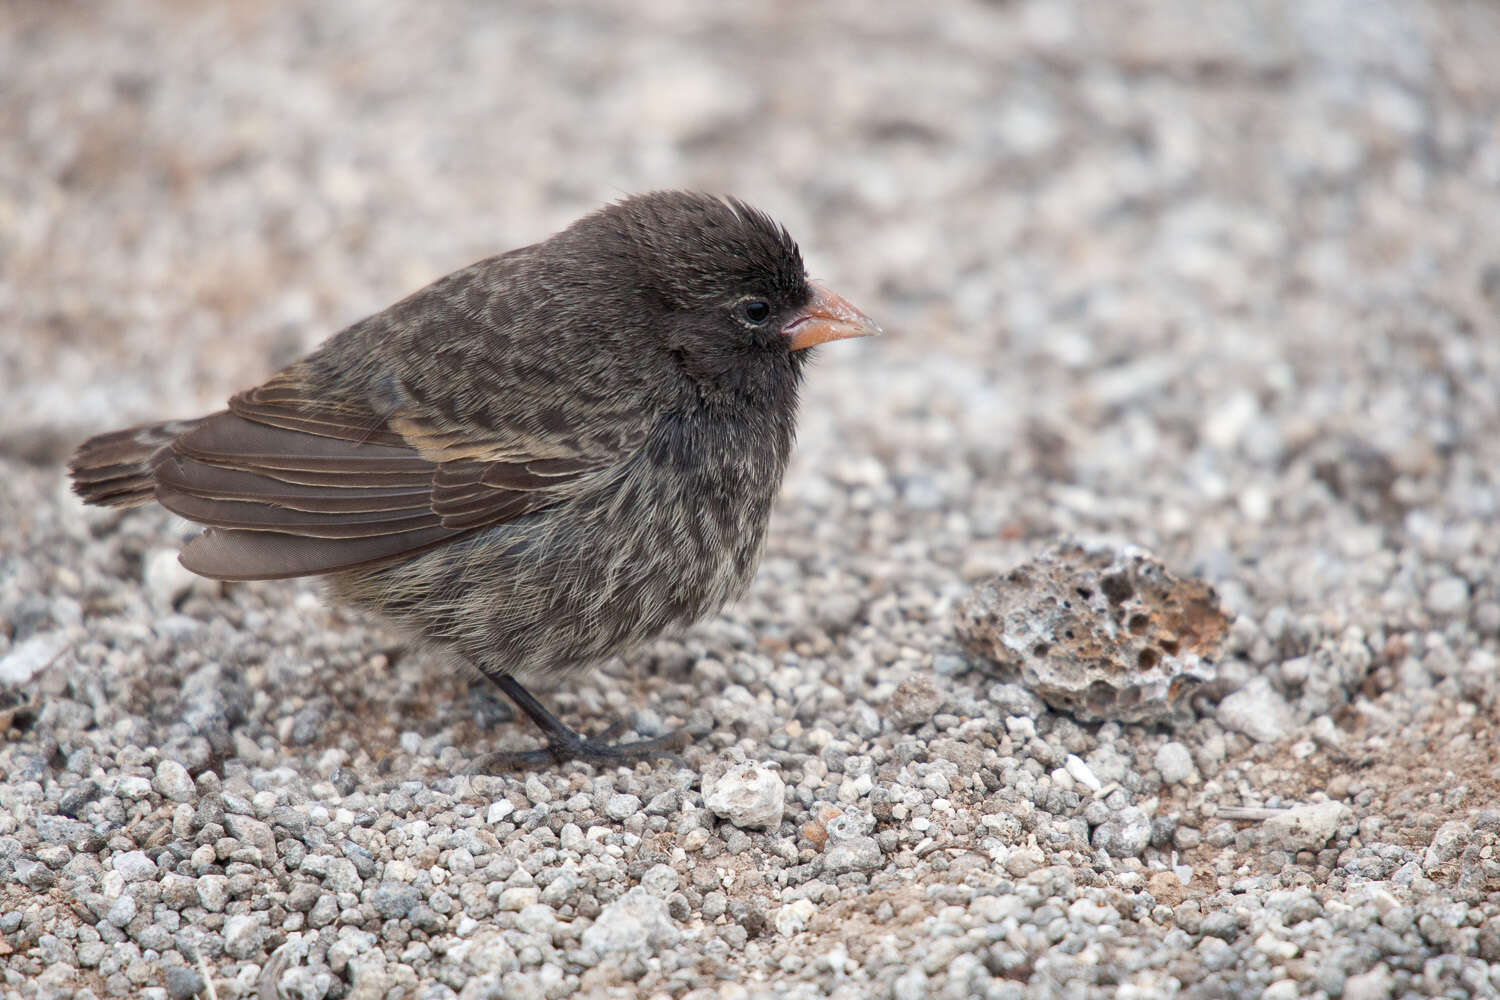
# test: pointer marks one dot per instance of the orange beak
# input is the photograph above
(827, 317)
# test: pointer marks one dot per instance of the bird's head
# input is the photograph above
(731, 303)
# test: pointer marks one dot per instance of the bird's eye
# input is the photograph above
(755, 311)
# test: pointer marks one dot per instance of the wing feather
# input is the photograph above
(269, 555)
(336, 463)
(288, 485)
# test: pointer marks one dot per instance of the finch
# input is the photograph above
(539, 461)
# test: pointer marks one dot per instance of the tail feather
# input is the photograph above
(118, 469)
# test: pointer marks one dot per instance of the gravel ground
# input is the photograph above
(1217, 279)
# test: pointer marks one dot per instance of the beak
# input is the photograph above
(827, 317)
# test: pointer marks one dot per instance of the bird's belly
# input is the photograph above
(564, 587)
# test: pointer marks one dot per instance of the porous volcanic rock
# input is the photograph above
(1103, 631)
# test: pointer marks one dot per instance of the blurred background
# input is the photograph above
(1145, 267)
(1219, 277)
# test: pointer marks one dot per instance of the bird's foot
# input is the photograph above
(568, 745)
(564, 744)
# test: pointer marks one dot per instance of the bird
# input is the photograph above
(537, 462)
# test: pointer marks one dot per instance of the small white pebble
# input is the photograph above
(29, 657)
(793, 917)
(166, 579)
(1448, 596)
(1174, 762)
(1020, 727)
(751, 796)
(1082, 773)
(517, 898)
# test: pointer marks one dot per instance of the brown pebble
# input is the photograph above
(1166, 888)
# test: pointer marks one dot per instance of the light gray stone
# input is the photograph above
(29, 657)
(751, 796)
(1174, 762)
(173, 782)
(857, 854)
(1124, 834)
(135, 866)
(1307, 827)
(1448, 596)
(243, 933)
(638, 923)
(621, 806)
(1257, 711)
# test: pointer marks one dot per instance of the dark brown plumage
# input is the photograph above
(539, 460)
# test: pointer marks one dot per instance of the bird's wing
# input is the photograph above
(291, 483)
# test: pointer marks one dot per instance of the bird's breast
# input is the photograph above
(702, 496)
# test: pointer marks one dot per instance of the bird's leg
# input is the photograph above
(564, 744)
